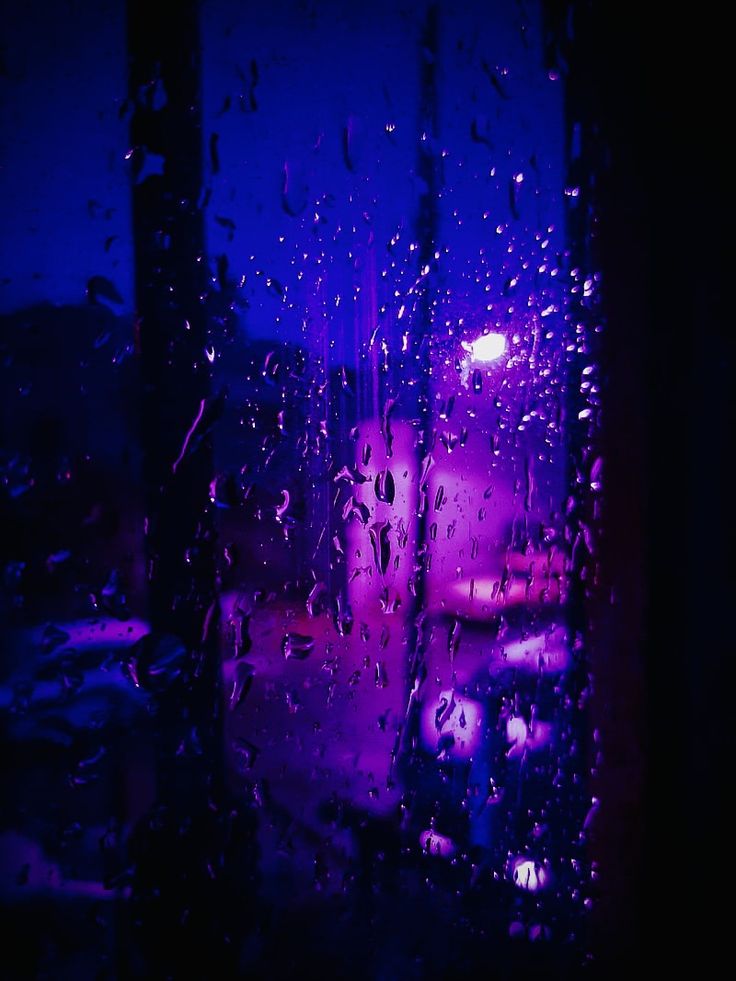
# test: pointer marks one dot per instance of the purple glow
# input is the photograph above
(548, 652)
(436, 844)
(372, 360)
(373, 591)
(523, 739)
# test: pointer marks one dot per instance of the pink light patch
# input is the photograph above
(451, 725)
(548, 652)
(435, 844)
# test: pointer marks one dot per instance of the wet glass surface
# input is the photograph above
(305, 483)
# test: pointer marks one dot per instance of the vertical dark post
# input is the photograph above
(607, 583)
(655, 146)
(171, 323)
(169, 264)
(427, 227)
(178, 858)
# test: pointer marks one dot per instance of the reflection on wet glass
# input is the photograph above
(394, 404)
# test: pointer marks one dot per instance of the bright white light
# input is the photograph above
(529, 875)
(486, 348)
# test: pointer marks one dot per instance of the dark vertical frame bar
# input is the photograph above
(427, 231)
(607, 598)
(651, 94)
(177, 412)
(179, 899)
(171, 323)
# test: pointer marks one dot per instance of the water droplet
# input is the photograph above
(156, 662)
(240, 684)
(385, 488)
(381, 545)
(297, 646)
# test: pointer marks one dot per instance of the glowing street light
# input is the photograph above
(486, 348)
